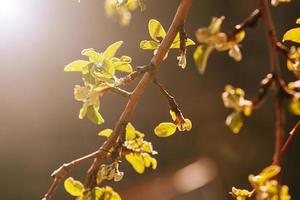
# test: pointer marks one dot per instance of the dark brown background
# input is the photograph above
(39, 128)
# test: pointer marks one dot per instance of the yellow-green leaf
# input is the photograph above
(298, 21)
(136, 161)
(292, 35)
(130, 132)
(234, 122)
(156, 31)
(240, 36)
(149, 44)
(201, 56)
(165, 129)
(73, 187)
(94, 115)
(91, 54)
(76, 66)
(124, 67)
(105, 133)
(112, 50)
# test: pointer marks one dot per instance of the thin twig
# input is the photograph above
(120, 91)
(171, 101)
(292, 135)
(250, 21)
(275, 68)
(263, 91)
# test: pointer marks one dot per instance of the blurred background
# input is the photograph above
(39, 125)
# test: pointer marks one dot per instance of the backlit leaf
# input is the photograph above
(292, 35)
(130, 132)
(105, 133)
(149, 44)
(136, 161)
(94, 115)
(76, 66)
(112, 49)
(165, 129)
(201, 56)
(156, 31)
(294, 106)
(73, 187)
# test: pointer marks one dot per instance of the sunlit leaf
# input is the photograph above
(130, 132)
(240, 36)
(136, 161)
(292, 35)
(149, 44)
(201, 56)
(298, 21)
(105, 133)
(91, 54)
(156, 31)
(73, 187)
(76, 66)
(112, 49)
(165, 129)
(94, 115)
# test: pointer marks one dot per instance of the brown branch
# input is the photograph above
(250, 21)
(292, 135)
(61, 172)
(149, 72)
(148, 77)
(275, 68)
(171, 101)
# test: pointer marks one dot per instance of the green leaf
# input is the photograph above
(76, 66)
(92, 55)
(201, 56)
(235, 122)
(156, 31)
(176, 43)
(105, 133)
(130, 132)
(165, 129)
(136, 161)
(149, 44)
(124, 67)
(73, 187)
(292, 35)
(94, 115)
(112, 50)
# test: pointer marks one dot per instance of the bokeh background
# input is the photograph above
(40, 130)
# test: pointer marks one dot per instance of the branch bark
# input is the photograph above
(275, 68)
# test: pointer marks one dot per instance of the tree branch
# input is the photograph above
(275, 68)
(263, 91)
(148, 77)
(292, 135)
(250, 21)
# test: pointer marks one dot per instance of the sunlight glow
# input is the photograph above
(8, 10)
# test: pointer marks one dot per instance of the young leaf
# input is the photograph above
(165, 129)
(105, 133)
(73, 187)
(201, 56)
(137, 162)
(94, 115)
(76, 66)
(298, 21)
(294, 106)
(292, 35)
(130, 132)
(112, 50)
(156, 30)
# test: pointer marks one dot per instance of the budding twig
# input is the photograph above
(292, 135)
